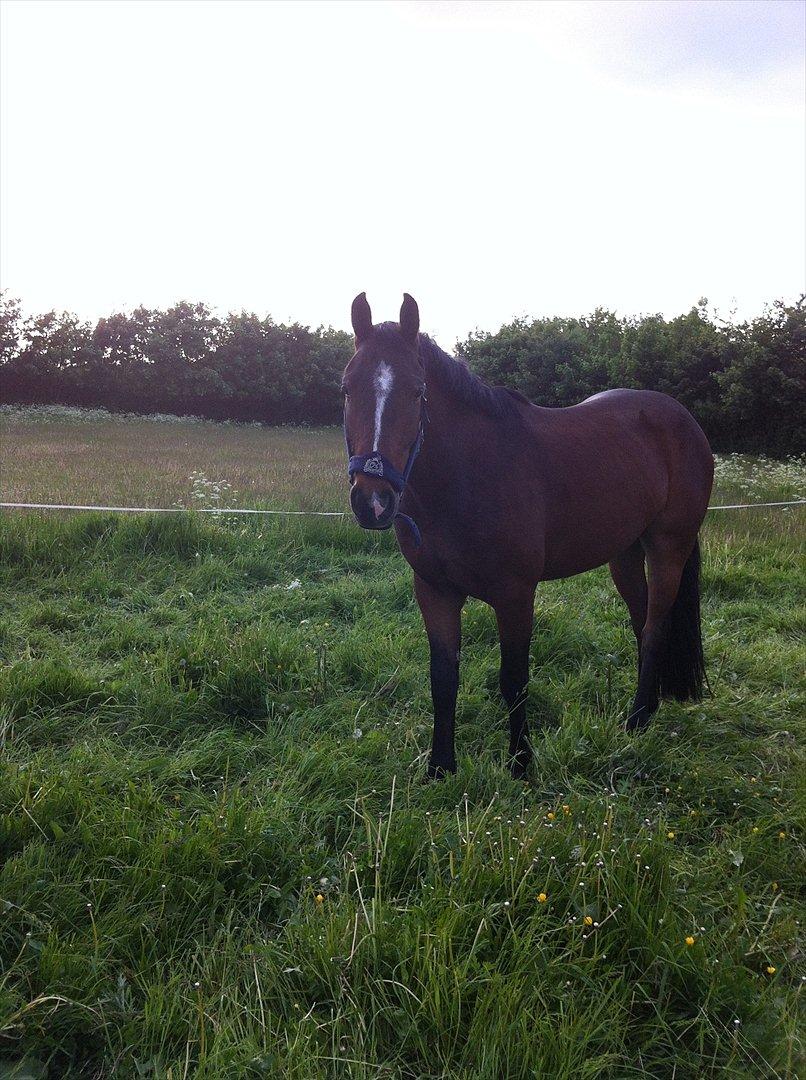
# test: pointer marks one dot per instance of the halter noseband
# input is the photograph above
(375, 464)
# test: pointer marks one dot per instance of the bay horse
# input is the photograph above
(490, 494)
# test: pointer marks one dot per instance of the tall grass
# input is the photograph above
(59, 455)
(220, 859)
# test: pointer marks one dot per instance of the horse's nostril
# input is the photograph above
(374, 509)
(379, 503)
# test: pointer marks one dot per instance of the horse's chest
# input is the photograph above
(474, 564)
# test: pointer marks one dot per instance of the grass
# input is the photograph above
(53, 455)
(220, 860)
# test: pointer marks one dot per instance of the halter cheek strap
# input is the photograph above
(375, 464)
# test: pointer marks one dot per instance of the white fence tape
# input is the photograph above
(751, 506)
(170, 509)
(281, 513)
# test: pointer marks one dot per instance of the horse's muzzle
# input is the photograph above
(374, 507)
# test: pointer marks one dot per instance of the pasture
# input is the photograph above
(220, 860)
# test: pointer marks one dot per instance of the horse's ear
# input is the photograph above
(409, 319)
(362, 318)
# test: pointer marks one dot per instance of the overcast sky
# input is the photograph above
(493, 159)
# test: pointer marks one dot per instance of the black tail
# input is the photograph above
(682, 664)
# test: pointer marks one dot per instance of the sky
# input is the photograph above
(495, 160)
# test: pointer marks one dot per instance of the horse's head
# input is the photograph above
(384, 388)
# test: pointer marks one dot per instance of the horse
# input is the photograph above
(490, 494)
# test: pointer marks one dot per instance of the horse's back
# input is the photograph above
(644, 417)
(651, 403)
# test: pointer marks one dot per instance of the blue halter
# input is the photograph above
(375, 464)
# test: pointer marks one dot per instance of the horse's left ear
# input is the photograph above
(409, 319)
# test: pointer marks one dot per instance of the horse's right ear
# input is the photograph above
(362, 318)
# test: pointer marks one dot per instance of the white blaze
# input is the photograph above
(383, 384)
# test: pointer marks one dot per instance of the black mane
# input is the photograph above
(454, 377)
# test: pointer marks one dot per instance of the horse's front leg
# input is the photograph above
(515, 631)
(442, 615)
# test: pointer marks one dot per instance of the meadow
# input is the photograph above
(220, 859)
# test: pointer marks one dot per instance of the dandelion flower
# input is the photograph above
(566, 808)
(588, 920)
(541, 898)
(550, 815)
(781, 835)
(319, 898)
(670, 836)
(770, 969)
(774, 886)
(690, 940)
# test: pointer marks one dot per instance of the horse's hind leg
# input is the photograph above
(515, 622)
(666, 557)
(629, 577)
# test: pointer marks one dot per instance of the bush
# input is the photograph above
(744, 382)
(184, 361)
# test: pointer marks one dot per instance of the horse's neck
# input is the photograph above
(454, 431)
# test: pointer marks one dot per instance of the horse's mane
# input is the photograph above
(454, 377)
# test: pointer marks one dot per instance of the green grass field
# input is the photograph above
(219, 857)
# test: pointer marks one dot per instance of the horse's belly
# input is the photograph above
(576, 544)
(567, 565)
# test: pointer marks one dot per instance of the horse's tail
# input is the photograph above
(682, 665)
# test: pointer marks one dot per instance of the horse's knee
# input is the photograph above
(444, 675)
(654, 631)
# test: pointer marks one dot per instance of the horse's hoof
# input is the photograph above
(638, 719)
(438, 772)
(518, 767)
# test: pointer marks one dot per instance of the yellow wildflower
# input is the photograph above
(770, 969)
(690, 940)
(550, 815)
(588, 920)
(319, 898)
(541, 898)
(670, 836)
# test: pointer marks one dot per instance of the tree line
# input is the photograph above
(744, 381)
